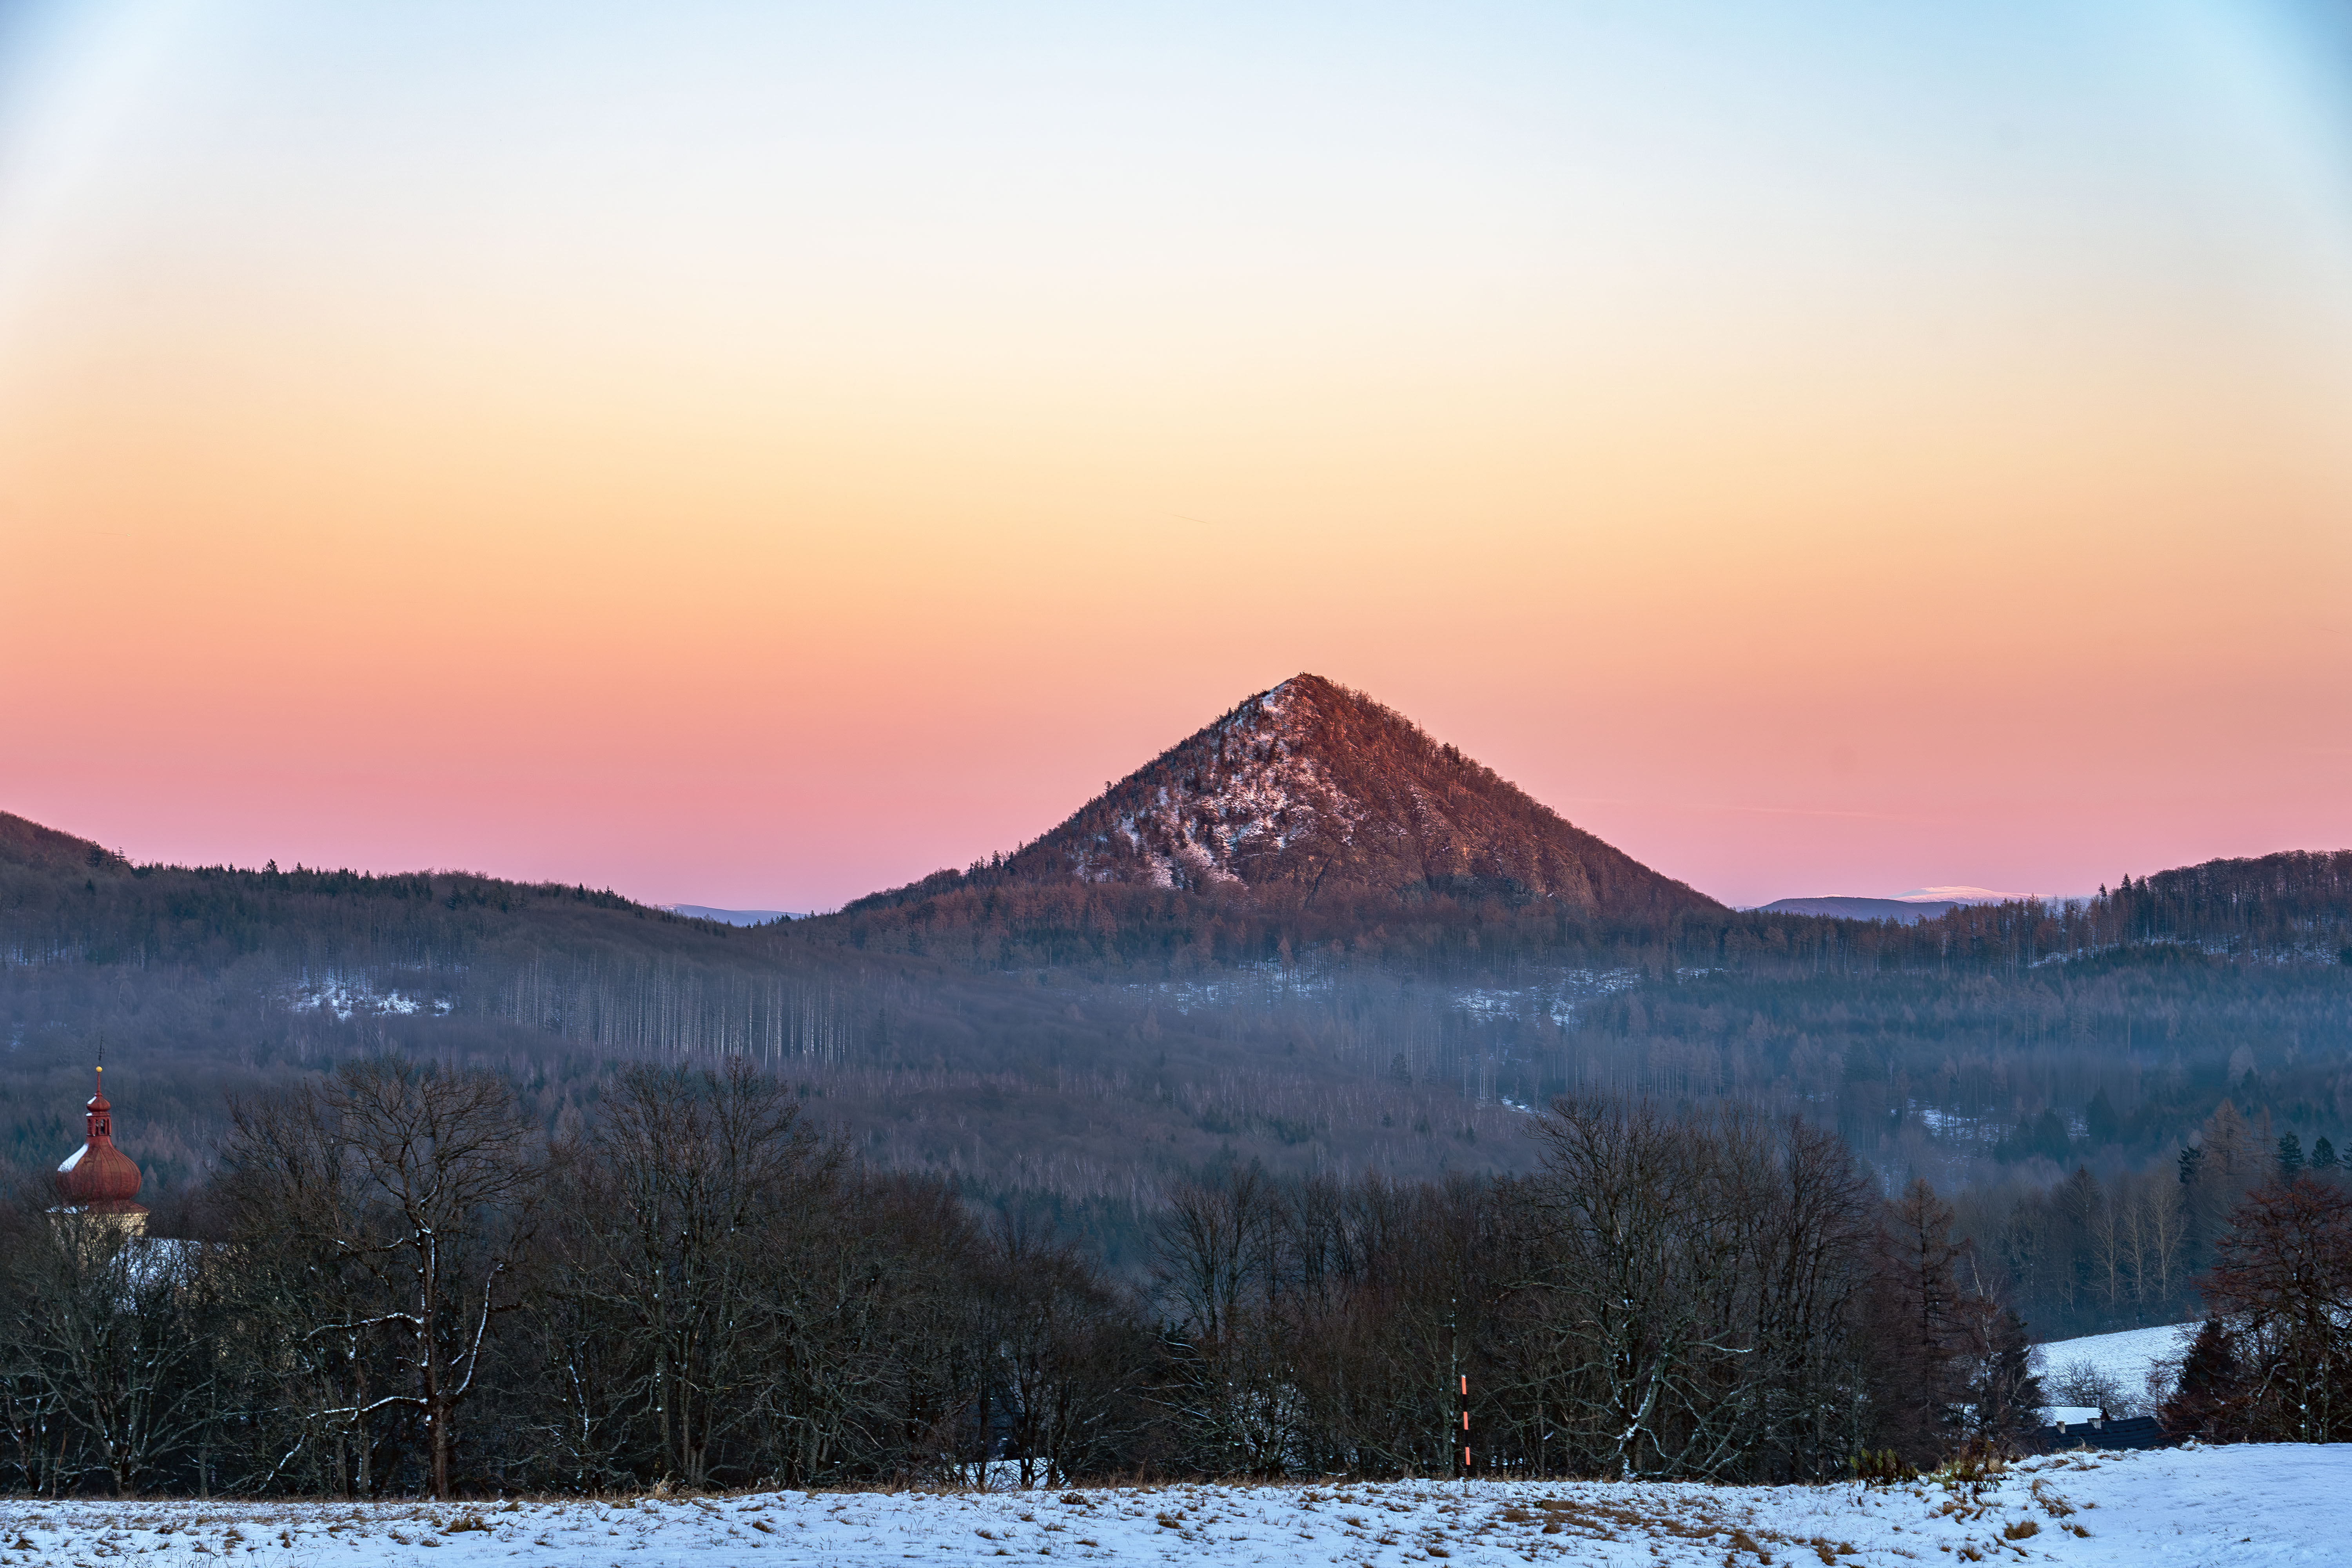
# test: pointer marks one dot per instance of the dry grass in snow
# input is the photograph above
(2285, 1504)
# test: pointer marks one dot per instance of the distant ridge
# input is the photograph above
(1906, 910)
(733, 917)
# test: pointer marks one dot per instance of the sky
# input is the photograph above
(753, 455)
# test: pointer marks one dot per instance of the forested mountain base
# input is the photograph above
(1073, 1051)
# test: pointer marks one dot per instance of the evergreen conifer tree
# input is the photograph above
(2289, 1157)
(2323, 1155)
(2209, 1388)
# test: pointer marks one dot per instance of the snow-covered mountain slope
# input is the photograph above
(1310, 790)
(2273, 1504)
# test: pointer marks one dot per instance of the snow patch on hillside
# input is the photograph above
(1556, 999)
(2126, 1359)
(349, 996)
(1248, 784)
(2273, 1504)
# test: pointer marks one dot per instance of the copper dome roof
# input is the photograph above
(99, 1176)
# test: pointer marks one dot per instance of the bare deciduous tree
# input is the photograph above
(2281, 1279)
(682, 1174)
(411, 1185)
(106, 1347)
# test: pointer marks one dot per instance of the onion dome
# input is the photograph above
(98, 1177)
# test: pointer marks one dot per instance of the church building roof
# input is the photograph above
(98, 1177)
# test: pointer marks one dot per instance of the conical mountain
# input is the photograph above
(1311, 793)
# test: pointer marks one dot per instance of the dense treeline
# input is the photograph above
(63, 900)
(990, 919)
(1948, 1074)
(201, 977)
(1719, 1296)
(2291, 906)
(398, 1285)
(2136, 1248)
(1072, 1050)
(2285, 906)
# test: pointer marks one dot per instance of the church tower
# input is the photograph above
(98, 1178)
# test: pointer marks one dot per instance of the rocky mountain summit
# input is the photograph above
(1310, 790)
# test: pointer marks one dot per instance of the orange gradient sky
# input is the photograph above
(752, 456)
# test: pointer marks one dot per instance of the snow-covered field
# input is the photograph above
(2124, 1357)
(2279, 1504)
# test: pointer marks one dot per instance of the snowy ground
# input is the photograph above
(2278, 1504)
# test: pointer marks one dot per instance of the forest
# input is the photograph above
(394, 1282)
(2045, 1067)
